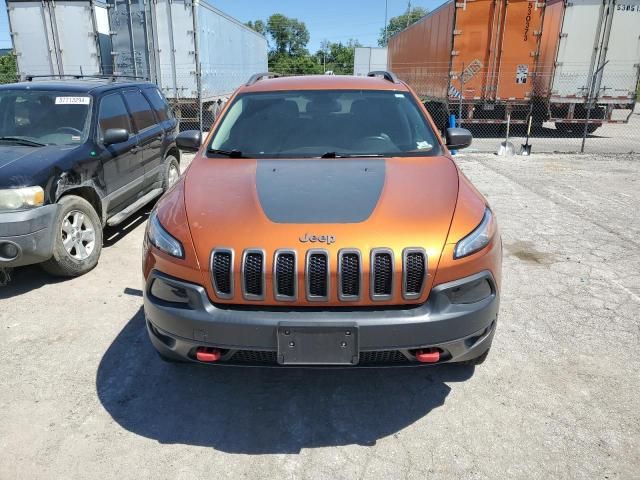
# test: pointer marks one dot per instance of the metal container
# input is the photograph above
(196, 54)
(590, 53)
(476, 58)
(60, 38)
(369, 59)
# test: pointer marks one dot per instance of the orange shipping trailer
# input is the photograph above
(474, 58)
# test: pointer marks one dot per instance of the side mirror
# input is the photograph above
(189, 140)
(115, 135)
(458, 138)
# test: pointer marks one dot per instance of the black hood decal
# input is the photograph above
(319, 191)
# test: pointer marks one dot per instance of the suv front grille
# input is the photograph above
(316, 281)
(349, 275)
(253, 275)
(222, 272)
(381, 274)
(285, 275)
(317, 275)
(414, 272)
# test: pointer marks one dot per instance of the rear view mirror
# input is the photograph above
(189, 140)
(458, 138)
(115, 135)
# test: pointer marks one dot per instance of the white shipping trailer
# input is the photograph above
(590, 50)
(65, 37)
(193, 51)
(368, 59)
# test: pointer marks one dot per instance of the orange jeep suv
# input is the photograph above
(323, 222)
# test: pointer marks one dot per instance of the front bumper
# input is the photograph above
(248, 335)
(31, 231)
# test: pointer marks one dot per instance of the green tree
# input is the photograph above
(288, 39)
(399, 23)
(258, 26)
(8, 68)
(337, 57)
(289, 35)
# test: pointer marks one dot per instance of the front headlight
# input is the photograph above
(21, 198)
(161, 239)
(478, 239)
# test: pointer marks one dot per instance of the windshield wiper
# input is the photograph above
(23, 141)
(348, 155)
(226, 153)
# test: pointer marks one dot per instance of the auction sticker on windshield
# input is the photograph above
(72, 100)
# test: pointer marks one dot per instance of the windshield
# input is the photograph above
(324, 123)
(43, 117)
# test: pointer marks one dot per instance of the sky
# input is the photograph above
(5, 40)
(334, 20)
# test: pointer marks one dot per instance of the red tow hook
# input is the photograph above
(208, 354)
(428, 356)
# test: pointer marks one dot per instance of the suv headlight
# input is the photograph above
(478, 239)
(21, 198)
(161, 239)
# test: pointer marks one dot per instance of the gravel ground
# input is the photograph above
(83, 395)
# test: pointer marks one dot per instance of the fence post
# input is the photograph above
(590, 101)
(199, 74)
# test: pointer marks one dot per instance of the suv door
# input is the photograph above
(150, 133)
(122, 162)
(169, 124)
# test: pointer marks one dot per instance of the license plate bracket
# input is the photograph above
(326, 344)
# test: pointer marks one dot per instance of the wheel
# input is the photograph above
(78, 238)
(592, 128)
(478, 360)
(171, 172)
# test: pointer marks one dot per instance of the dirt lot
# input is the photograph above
(83, 395)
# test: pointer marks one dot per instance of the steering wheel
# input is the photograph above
(69, 129)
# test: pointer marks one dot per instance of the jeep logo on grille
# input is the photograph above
(328, 239)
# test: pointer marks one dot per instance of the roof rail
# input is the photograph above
(389, 76)
(259, 76)
(113, 78)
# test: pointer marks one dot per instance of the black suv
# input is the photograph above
(75, 156)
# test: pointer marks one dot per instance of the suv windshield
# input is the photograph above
(34, 117)
(324, 123)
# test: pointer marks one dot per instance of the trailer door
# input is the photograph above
(32, 38)
(620, 75)
(579, 47)
(77, 38)
(519, 49)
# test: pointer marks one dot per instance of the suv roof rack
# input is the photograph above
(112, 78)
(259, 76)
(389, 76)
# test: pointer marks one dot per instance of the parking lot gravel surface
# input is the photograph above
(83, 394)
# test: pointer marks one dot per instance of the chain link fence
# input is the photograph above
(575, 114)
(582, 115)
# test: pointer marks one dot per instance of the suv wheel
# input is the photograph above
(172, 172)
(78, 238)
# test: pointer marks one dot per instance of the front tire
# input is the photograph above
(78, 238)
(171, 172)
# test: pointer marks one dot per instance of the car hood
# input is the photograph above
(361, 204)
(22, 165)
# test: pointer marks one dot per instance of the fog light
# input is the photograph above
(470, 292)
(9, 251)
(169, 293)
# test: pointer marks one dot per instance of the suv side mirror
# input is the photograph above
(189, 140)
(458, 138)
(115, 135)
